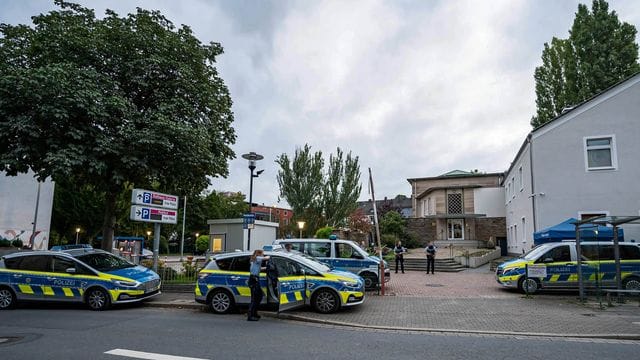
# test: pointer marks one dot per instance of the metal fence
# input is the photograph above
(178, 276)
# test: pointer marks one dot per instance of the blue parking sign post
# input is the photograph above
(248, 222)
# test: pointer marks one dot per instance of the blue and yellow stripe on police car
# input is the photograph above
(49, 290)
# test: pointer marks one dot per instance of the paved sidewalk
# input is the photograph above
(466, 302)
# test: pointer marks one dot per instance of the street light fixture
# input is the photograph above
(301, 226)
(77, 234)
(253, 158)
(195, 244)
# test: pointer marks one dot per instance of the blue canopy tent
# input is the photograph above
(567, 230)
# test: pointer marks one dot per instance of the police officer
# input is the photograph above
(399, 251)
(254, 284)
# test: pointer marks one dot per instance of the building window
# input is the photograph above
(600, 153)
(454, 202)
(513, 187)
(425, 211)
(286, 221)
(521, 178)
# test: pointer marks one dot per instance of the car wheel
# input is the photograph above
(7, 298)
(532, 285)
(221, 302)
(370, 281)
(325, 301)
(631, 284)
(98, 299)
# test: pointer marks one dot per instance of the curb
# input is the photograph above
(276, 315)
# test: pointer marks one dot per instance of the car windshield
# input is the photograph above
(312, 263)
(534, 253)
(105, 261)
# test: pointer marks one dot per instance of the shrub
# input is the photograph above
(389, 240)
(190, 267)
(324, 232)
(16, 243)
(5, 242)
(202, 243)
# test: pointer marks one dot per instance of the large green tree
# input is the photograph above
(111, 102)
(599, 52)
(317, 196)
(341, 188)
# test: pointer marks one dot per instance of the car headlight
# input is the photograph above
(353, 284)
(126, 283)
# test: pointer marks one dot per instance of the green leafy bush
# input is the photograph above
(324, 232)
(5, 243)
(202, 243)
(17, 243)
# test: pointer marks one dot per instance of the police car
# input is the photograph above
(343, 255)
(94, 277)
(559, 266)
(223, 283)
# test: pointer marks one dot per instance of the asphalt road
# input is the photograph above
(70, 332)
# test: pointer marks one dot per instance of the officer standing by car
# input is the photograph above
(254, 284)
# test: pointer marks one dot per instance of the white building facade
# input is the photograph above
(584, 163)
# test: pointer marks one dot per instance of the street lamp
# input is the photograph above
(300, 226)
(253, 158)
(195, 244)
(77, 234)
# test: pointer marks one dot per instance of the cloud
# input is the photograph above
(414, 88)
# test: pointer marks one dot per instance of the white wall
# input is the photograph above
(18, 196)
(264, 233)
(489, 201)
(559, 160)
(519, 204)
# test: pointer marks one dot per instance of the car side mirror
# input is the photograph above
(71, 271)
(302, 272)
(358, 256)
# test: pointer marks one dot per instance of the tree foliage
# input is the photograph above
(392, 223)
(341, 188)
(599, 52)
(359, 222)
(112, 102)
(317, 196)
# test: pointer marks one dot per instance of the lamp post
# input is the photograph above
(148, 234)
(195, 244)
(77, 235)
(301, 226)
(253, 158)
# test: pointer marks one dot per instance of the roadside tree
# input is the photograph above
(599, 52)
(112, 102)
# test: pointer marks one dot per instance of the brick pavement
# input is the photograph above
(469, 302)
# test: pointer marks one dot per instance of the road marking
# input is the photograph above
(146, 355)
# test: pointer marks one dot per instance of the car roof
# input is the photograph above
(31, 253)
(249, 253)
(284, 241)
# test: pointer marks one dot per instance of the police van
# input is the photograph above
(223, 283)
(560, 262)
(343, 255)
(94, 277)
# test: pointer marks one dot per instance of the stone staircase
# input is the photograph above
(420, 264)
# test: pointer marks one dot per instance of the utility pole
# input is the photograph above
(375, 218)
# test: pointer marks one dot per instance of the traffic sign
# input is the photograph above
(248, 220)
(154, 215)
(152, 198)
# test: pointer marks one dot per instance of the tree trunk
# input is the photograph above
(109, 220)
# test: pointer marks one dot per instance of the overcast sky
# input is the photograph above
(414, 88)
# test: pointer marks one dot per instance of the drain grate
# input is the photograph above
(588, 315)
(435, 285)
